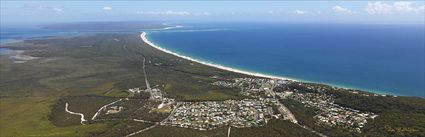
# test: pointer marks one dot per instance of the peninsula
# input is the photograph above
(119, 85)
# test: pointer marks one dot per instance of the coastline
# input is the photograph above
(172, 27)
(144, 38)
(9, 41)
(143, 35)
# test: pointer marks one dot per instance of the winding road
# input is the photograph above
(74, 113)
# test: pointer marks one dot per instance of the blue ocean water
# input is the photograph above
(381, 58)
(17, 32)
(13, 33)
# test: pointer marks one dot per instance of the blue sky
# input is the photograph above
(307, 11)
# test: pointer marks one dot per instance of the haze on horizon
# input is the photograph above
(382, 12)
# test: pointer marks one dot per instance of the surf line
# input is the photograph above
(145, 39)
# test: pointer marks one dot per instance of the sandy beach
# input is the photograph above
(145, 39)
(172, 27)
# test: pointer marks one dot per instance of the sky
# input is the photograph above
(304, 11)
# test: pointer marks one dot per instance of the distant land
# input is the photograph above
(105, 26)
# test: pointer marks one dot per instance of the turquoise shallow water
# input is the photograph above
(379, 58)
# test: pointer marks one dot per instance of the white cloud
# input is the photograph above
(201, 13)
(43, 9)
(305, 12)
(378, 8)
(171, 13)
(396, 7)
(57, 9)
(107, 8)
(300, 12)
(341, 10)
(403, 6)
(421, 9)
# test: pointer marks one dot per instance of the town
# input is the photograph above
(213, 114)
(262, 103)
(328, 112)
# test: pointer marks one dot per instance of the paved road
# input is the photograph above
(148, 87)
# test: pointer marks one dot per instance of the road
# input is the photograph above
(148, 87)
(228, 131)
(143, 121)
(172, 112)
(311, 130)
(104, 107)
(143, 130)
(285, 111)
(74, 113)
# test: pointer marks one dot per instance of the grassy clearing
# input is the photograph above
(28, 116)
(87, 105)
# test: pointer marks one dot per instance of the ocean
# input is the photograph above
(17, 32)
(380, 58)
(12, 33)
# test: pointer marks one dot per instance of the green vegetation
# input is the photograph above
(273, 129)
(398, 116)
(91, 71)
(120, 128)
(88, 72)
(305, 116)
(167, 131)
(87, 105)
(28, 116)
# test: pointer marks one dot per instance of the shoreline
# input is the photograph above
(172, 27)
(144, 38)
(9, 41)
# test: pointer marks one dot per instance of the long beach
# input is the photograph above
(145, 39)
